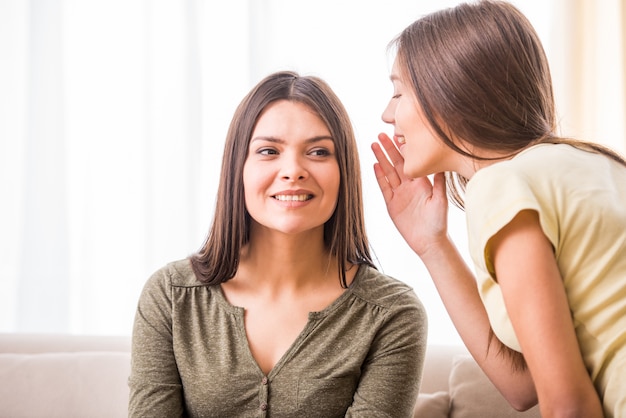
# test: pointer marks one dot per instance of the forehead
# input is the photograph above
(396, 75)
(289, 119)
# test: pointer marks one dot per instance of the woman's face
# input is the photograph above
(291, 174)
(423, 152)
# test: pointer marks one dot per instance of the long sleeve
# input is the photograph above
(392, 371)
(155, 386)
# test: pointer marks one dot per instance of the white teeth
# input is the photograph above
(401, 140)
(293, 197)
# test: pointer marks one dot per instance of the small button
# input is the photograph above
(263, 406)
(264, 381)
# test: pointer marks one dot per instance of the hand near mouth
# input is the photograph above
(417, 207)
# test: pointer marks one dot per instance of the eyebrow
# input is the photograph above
(282, 141)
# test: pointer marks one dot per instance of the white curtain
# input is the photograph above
(588, 58)
(113, 115)
(104, 173)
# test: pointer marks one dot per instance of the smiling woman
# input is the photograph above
(287, 255)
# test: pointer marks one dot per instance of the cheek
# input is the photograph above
(247, 178)
(405, 118)
(252, 182)
(333, 182)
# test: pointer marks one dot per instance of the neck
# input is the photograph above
(467, 166)
(284, 260)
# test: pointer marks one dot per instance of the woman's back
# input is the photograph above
(581, 200)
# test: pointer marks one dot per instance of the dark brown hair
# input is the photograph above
(480, 73)
(344, 232)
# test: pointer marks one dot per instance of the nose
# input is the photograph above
(293, 169)
(388, 115)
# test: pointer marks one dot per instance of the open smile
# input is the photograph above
(293, 197)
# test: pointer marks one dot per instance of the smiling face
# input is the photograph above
(424, 153)
(291, 175)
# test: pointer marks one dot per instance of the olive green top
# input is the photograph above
(362, 356)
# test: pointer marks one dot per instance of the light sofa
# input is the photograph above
(70, 376)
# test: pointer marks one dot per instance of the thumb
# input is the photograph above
(439, 185)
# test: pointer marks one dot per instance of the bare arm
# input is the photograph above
(419, 211)
(537, 305)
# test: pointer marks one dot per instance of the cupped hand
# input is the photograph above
(417, 207)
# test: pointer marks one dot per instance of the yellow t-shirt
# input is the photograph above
(581, 201)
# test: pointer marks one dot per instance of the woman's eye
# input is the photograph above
(396, 96)
(267, 151)
(320, 152)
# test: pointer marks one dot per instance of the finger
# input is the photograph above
(383, 183)
(387, 169)
(381, 156)
(391, 149)
(439, 186)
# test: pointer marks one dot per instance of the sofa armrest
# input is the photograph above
(438, 365)
(56, 343)
(65, 384)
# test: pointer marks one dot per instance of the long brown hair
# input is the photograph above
(344, 233)
(480, 69)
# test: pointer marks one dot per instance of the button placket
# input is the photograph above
(263, 395)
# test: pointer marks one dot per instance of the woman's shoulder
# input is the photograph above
(551, 157)
(383, 290)
(542, 165)
(177, 273)
(559, 151)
